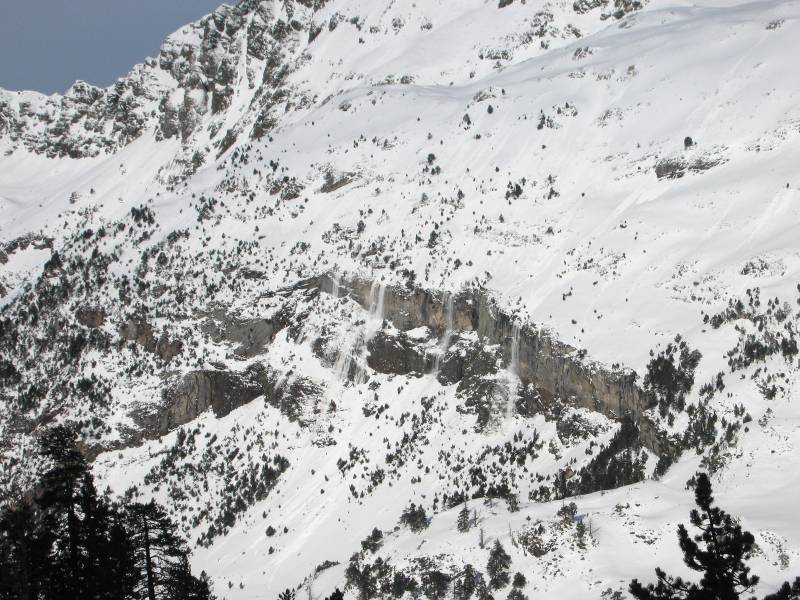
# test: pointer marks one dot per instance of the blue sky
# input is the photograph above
(45, 45)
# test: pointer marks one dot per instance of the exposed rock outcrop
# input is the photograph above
(467, 360)
(297, 397)
(193, 80)
(250, 335)
(396, 354)
(196, 392)
(141, 332)
(677, 167)
(551, 369)
(90, 316)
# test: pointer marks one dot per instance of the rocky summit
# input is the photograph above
(394, 297)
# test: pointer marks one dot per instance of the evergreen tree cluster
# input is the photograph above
(719, 552)
(379, 579)
(414, 517)
(621, 462)
(670, 379)
(69, 542)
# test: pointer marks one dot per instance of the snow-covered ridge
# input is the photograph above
(238, 55)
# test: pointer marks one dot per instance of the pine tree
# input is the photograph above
(182, 585)
(156, 559)
(96, 575)
(580, 534)
(463, 519)
(202, 587)
(787, 591)
(121, 557)
(414, 517)
(373, 541)
(513, 503)
(435, 584)
(497, 566)
(60, 512)
(458, 589)
(719, 552)
(158, 551)
(24, 553)
(482, 591)
(336, 595)
(361, 577)
(66, 549)
(72, 543)
(401, 583)
(467, 583)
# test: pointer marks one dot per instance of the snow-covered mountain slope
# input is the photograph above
(321, 260)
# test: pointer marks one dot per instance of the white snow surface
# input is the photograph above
(595, 248)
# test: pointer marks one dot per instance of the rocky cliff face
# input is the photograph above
(548, 370)
(199, 391)
(554, 370)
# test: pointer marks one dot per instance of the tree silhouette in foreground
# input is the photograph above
(719, 551)
(67, 542)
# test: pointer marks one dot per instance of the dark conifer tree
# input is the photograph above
(414, 517)
(787, 592)
(157, 558)
(435, 584)
(463, 523)
(471, 579)
(497, 566)
(157, 550)
(465, 585)
(286, 595)
(513, 502)
(61, 513)
(719, 551)
(24, 551)
(98, 570)
(182, 585)
(121, 558)
(482, 591)
(71, 543)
